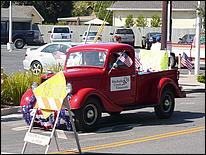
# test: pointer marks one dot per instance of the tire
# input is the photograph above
(36, 68)
(19, 43)
(87, 118)
(172, 60)
(166, 106)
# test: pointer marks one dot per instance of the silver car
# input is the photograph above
(124, 35)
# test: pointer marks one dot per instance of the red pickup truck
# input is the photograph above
(102, 81)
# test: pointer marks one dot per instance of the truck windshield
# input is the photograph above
(86, 58)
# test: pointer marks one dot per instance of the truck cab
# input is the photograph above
(103, 81)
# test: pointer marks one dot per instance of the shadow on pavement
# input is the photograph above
(130, 120)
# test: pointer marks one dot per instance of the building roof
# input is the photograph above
(154, 5)
(81, 18)
(23, 12)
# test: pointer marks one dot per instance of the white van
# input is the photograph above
(60, 33)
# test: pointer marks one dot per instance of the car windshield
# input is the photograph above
(91, 33)
(124, 31)
(61, 30)
(86, 58)
(154, 34)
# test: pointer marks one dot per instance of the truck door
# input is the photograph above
(121, 83)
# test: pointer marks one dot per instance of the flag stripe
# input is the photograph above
(126, 59)
(186, 62)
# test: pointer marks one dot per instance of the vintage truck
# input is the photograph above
(101, 82)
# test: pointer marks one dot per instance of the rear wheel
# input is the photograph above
(167, 104)
(88, 116)
(19, 43)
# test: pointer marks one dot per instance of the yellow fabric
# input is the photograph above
(54, 87)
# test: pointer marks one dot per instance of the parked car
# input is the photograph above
(91, 36)
(47, 55)
(186, 39)
(21, 37)
(60, 34)
(149, 39)
(123, 35)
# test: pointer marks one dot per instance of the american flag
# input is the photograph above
(137, 63)
(185, 61)
(126, 59)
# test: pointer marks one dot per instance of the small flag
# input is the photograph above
(185, 61)
(126, 59)
(137, 63)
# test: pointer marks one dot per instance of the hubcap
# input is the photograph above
(36, 68)
(167, 103)
(90, 114)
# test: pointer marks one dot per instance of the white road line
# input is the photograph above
(21, 128)
(12, 116)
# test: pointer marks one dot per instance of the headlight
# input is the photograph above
(69, 88)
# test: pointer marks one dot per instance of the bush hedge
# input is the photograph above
(201, 78)
(14, 85)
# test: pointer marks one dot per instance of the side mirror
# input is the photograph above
(71, 31)
(42, 34)
(180, 38)
(49, 32)
(111, 33)
(80, 35)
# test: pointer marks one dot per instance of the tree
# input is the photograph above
(129, 22)
(202, 14)
(155, 22)
(141, 21)
(86, 8)
(49, 10)
(81, 8)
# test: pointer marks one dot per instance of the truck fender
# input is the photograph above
(78, 99)
(164, 82)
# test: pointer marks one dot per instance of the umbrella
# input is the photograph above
(95, 21)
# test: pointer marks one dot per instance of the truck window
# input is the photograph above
(3, 27)
(114, 57)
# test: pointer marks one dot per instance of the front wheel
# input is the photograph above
(88, 116)
(166, 105)
(36, 68)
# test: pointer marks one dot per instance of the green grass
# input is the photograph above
(14, 85)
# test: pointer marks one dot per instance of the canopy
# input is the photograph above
(95, 21)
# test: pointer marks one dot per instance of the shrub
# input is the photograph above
(201, 78)
(14, 85)
(129, 22)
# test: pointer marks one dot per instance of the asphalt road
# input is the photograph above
(133, 132)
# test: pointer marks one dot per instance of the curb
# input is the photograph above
(10, 110)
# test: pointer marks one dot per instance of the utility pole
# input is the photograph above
(197, 41)
(10, 44)
(169, 29)
(164, 26)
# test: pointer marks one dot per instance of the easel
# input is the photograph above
(46, 140)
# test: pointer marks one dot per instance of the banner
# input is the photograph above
(154, 59)
(50, 94)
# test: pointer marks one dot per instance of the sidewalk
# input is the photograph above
(188, 82)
